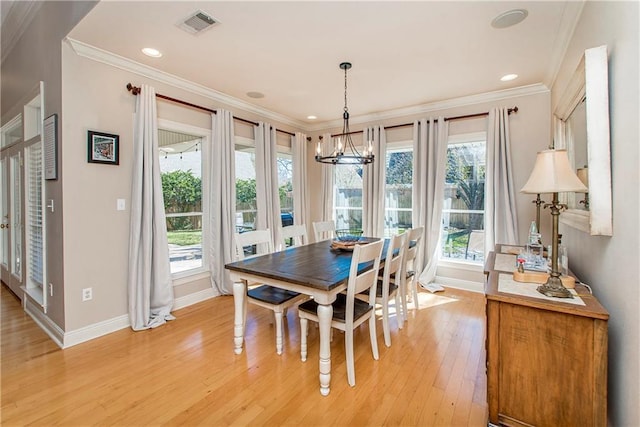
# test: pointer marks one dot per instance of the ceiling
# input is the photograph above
(403, 53)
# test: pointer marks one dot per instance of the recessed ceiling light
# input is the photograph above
(255, 95)
(509, 77)
(312, 117)
(154, 53)
(509, 18)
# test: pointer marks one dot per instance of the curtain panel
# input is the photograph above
(268, 198)
(501, 221)
(328, 180)
(430, 138)
(149, 283)
(300, 199)
(223, 201)
(374, 179)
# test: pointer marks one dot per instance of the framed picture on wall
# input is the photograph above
(103, 148)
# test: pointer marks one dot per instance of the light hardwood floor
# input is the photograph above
(186, 373)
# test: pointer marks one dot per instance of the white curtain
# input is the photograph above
(429, 170)
(501, 222)
(149, 276)
(223, 200)
(268, 198)
(373, 178)
(328, 180)
(300, 199)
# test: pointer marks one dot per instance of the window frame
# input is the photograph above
(464, 264)
(399, 146)
(203, 271)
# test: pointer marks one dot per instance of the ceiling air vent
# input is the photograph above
(197, 22)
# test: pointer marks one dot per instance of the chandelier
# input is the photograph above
(344, 151)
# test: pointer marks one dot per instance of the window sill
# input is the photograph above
(462, 265)
(182, 278)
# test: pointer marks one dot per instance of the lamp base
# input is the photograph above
(554, 288)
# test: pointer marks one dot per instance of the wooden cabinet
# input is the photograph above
(546, 360)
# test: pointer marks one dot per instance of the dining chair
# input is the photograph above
(409, 276)
(296, 233)
(350, 312)
(275, 299)
(324, 230)
(408, 281)
(387, 288)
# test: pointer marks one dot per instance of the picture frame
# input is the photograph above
(103, 148)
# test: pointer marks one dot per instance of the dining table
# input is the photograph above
(314, 269)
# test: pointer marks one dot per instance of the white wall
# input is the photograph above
(611, 264)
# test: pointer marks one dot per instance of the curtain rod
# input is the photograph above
(136, 90)
(446, 119)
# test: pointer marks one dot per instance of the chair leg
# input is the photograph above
(400, 311)
(385, 323)
(303, 338)
(403, 295)
(278, 315)
(414, 289)
(348, 349)
(373, 336)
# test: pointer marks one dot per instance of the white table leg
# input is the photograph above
(325, 314)
(240, 304)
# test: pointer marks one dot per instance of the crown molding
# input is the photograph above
(105, 57)
(438, 106)
(15, 22)
(569, 21)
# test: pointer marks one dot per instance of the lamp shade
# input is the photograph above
(553, 174)
(583, 175)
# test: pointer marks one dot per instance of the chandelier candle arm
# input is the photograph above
(344, 150)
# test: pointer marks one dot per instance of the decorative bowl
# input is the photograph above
(348, 235)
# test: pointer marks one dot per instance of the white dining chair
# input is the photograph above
(387, 288)
(324, 230)
(296, 233)
(408, 278)
(350, 312)
(275, 299)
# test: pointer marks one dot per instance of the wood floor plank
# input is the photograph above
(186, 373)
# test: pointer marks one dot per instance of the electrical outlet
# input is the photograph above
(50, 289)
(87, 294)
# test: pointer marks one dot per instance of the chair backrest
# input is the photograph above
(324, 230)
(260, 238)
(411, 252)
(475, 244)
(296, 232)
(368, 279)
(393, 261)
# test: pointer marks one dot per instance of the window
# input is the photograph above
(348, 196)
(246, 201)
(463, 212)
(181, 170)
(398, 188)
(285, 189)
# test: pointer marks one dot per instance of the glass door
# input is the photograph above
(11, 265)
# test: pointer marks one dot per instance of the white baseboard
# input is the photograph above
(194, 298)
(45, 323)
(99, 329)
(467, 285)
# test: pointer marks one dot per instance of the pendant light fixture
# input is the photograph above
(344, 151)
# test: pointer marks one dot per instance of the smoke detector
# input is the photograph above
(197, 22)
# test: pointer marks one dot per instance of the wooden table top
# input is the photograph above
(315, 265)
(592, 307)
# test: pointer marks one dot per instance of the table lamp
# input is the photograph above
(553, 174)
